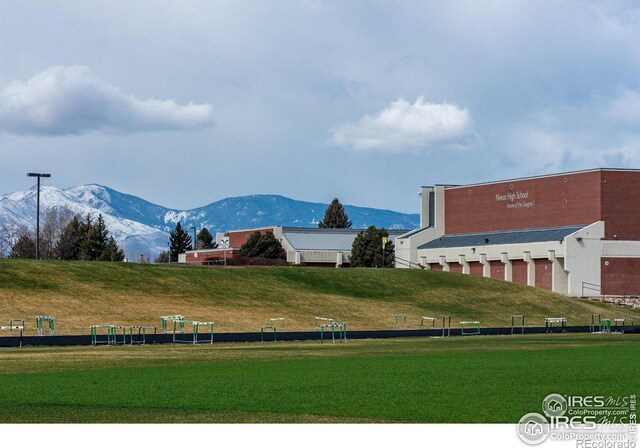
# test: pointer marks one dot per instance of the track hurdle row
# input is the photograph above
(110, 335)
(342, 331)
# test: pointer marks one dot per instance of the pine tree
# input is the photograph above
(86, 245)
(100, 237)
(180, 241)
(68, 245)
(367, 249)
(111, 251)
(262, 245)
(24, 247)
(335, 217)
(205, 239)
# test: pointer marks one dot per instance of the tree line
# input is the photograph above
(65, 237)
(368, 248)
(180, 241)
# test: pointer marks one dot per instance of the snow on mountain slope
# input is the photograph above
(134, 237)
(141, 227)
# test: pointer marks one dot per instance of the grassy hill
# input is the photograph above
(79, 294)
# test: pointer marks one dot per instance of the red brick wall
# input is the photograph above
(621, 204)
(519, 271)
(544, 274)
(620, 277)
(475, 268)
(237, 239)
(435, 266)
(549, 202)
(497, 270)
(455, 267)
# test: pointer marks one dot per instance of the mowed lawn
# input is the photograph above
(474, 379)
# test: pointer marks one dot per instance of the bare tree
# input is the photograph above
(55, 221)
(9, 234)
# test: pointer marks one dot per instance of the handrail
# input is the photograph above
(409, 264)
(591, 287)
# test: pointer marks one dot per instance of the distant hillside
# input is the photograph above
(141, 226)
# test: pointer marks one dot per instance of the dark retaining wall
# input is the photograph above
(283, 336)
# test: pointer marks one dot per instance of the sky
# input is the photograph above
(184, 103)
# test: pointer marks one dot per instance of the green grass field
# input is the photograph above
(474, 379)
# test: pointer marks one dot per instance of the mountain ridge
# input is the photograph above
(141, 226)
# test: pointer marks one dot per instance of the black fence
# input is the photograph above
(17, 341)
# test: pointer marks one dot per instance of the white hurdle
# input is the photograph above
(401, 318)
(475, 325)
(549, 321)
(276, 319)
(11, 328)
(317, 322)
(428, 319)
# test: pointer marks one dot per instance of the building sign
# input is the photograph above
(519, 199)
(224, 242)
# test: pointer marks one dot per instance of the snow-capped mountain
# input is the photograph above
(141, 227)
(18, 209)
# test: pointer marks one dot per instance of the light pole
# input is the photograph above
(38, 175)
(194, 238)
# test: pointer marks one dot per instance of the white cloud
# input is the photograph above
(626, 108)
(74, 100)
(403, 125)
(604, 131)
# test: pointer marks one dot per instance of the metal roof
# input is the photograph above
(502, 237)
(301, 238)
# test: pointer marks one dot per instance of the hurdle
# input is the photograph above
(342, 331)
(592, 327)
(40, 320)
(515, 317)
(474, 324)
(195, 327)
(175, 319)
(142, 334)
(400, 317)
(276, 319)
(13, 323)
(549, 321)
(317, 320)
(111, 335)
(446, 326)
(619, 325)
(11, 328)
(429, 319)
(269, 327)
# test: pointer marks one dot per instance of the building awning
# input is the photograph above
(502, 237)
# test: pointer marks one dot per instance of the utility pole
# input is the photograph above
(38, 175)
